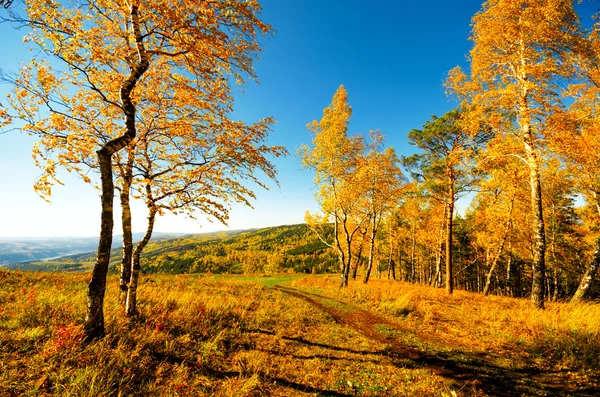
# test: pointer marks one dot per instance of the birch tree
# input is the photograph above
(382, 179)
(335, 158)
(519, 63)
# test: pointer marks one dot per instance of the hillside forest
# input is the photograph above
(136, 98)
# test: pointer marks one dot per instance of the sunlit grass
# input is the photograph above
(564, 336)
(196, 336)
(203, 335)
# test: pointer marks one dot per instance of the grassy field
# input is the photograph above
(290, 336)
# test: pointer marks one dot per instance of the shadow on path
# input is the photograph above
(470, 370)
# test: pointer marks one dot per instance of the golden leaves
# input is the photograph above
(187, 148)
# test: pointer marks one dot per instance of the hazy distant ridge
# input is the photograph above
(17, 250)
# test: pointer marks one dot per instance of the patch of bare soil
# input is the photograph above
(474, 372)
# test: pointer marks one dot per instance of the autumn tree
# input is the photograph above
(188, 158)
(89, 97)
(518, 67)
(335, 158)
(380, 176)
(576, 140)
(493, 213)
(443, 168)
(205, 173)
(575, 137)
(415, 225)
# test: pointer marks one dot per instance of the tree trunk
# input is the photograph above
(449, 242)
(127, 250)
(371, 249)
(592, 270)
(589, 276)
(539, 230)
(556, 292)
(358, 260)
(348, 255)
(509, 282)
(413, 266)
(539, 251)
(488, 276)
(131, 303)
(437, 278)
(507, 227)
(94, 320)
(393, 268)
(340, 251)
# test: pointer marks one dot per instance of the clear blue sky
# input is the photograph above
(392, 57)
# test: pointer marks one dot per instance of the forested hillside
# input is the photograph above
(270, 250)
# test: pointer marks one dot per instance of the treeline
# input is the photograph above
(417, 254)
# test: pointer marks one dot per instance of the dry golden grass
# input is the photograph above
(197, 336)
(565, 337)
(238, 336)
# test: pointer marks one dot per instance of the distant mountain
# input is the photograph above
(16, 250)
(272, 249)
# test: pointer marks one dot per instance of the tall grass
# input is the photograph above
(196, 336)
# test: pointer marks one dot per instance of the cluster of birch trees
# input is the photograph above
(357, 183)
(523, 144)
(140, 92)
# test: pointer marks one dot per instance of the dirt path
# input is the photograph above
(476, 374)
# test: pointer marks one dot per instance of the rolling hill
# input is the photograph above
(273, 249)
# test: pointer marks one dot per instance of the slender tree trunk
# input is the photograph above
(539, 230)
(592, 270)
(437, 278)
(509, 276)
(348, 261)
(372, 236)
(478, 277)
(556, 292)
(131, 302)
(553, 289)
(391, 264)
(343, 278)
(498, 282)
(127, 250)
(358, 260)
(539, 251)
(589, 276)
(488, 276)
(496, 260)
(402, 269)
(449, 242)
(340, 250)
(413, 266)
(94, 320)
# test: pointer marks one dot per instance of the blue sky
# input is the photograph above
(392, 57)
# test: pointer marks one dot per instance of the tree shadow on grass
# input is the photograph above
(268, 379)
(471, 371)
